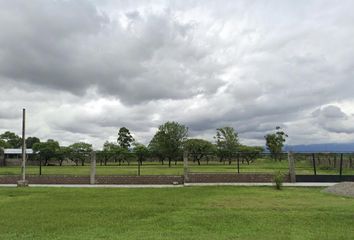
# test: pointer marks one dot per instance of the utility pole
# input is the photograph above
(23, 182)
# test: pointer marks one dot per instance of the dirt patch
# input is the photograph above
(342, 189)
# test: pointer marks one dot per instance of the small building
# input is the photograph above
(13, 156)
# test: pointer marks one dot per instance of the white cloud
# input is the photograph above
(85, 68)
(333, 119)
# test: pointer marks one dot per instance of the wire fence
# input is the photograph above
(331, 163)
(132, 164)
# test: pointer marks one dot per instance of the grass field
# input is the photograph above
(155, 168)
(174, 213)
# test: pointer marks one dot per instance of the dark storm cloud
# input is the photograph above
(40, 41)
(71, 46)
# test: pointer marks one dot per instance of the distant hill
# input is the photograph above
(325, 147)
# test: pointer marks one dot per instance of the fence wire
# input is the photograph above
(133, 164)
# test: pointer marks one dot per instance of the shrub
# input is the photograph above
(278, 180)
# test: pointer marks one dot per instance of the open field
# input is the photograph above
(155, 168)
(177, 213)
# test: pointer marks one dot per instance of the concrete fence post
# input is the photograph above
(93, 168)
(185, 166)
(291, 167)
(2, 157)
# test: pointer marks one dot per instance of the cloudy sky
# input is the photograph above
(82, 69)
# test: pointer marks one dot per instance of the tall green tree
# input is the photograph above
(111, 146)
(80, 151)
(169, 138)
(4, 144)
(46, 150)
(141, 152)
(249, 153)
(275, 142)
(63, 153)
(113, 150)
(227, 142)
(105, 154)
(12, 140)
(125, 139)
(199, 148)
(155, 150)
(30, 141)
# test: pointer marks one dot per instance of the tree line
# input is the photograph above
(167, 145)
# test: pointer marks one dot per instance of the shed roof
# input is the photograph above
(17, 151)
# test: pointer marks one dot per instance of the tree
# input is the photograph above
(111, 149)
(30, 141)
(80, 152)
(125, 139)
(155, 149)
(198, 148)
(249, 153)
(12, 140)
(227, 142)
(46, 150)
(106, 153)
(63, 153)
(275, 142)
(141, 151)
(122, 154)
(169, 139)
(4, 144)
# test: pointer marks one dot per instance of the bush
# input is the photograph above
(278, 180)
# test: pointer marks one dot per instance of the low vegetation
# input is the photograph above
(278, 180)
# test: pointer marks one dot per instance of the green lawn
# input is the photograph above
(155, 168)
(174, 213)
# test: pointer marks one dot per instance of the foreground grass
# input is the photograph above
(177, 213)
(155, 168)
